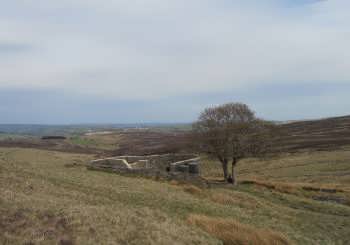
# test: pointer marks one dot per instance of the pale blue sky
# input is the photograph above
(89, 61)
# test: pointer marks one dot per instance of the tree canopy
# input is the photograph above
(231, 132)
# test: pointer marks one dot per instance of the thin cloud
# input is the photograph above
(13, 48)
(155, 49)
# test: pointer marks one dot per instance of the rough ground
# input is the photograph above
(49, 197)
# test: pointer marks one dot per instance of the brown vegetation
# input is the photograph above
(232, 232)
(148, 142)
(324, 134)
(194, 190)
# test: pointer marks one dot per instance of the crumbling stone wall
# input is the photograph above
(176, 165)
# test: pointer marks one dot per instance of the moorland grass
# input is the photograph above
(47, 198)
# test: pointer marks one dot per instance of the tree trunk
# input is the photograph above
(225, 169)
(234, 178)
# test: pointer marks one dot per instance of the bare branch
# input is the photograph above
(231, 132)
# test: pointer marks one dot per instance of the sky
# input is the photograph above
(120, 61)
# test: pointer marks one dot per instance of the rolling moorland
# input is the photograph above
(299, 195)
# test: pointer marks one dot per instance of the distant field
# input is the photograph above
(6, 136)
(325, 134)
(40, 130)
(49, 197)
(132, 141)
(106, 141)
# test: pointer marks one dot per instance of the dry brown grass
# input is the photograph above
(323, 188)
(232, 232)
(338, 194)
(191, 189)
(174, 182)
(293, 188)
(194, 190)
(280, 187)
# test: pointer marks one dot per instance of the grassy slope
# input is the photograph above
(47, 196)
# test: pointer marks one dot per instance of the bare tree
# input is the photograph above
(231, 132)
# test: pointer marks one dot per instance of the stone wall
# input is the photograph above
(180, 165)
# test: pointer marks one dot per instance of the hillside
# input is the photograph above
(322, 134)
(51, 198)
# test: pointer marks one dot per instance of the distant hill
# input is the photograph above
(37, 130)
(322, 134)
(42, 130)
